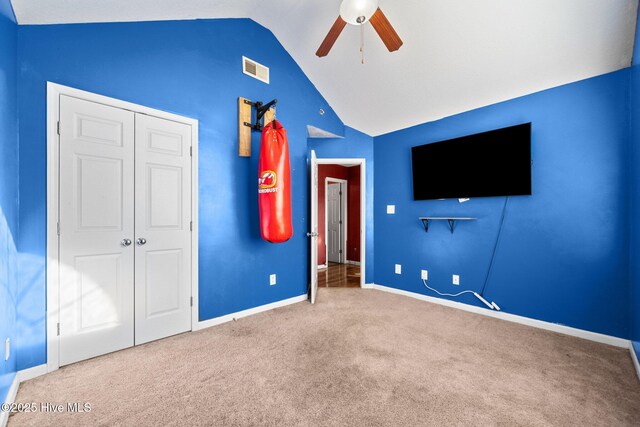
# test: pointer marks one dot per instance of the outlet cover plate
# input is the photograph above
(398, 269)
(456, 279)
(424, 274)
(272, 280)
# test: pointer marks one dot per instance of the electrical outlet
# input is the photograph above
(391, 209)
(272, 279)
(7, 349)
(424, 274)
(398, 269)
(456, 279)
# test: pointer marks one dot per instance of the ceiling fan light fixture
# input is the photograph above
(358, 12)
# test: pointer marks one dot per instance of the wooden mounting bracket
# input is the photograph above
(245, 126)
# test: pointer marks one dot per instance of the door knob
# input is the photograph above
(125, 242)
(141, 241)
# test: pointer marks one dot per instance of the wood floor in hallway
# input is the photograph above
(339, 276)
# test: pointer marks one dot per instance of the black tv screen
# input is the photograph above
(494, 163)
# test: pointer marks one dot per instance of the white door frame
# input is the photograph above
(363, 207)
(343, 214)
(52, 279)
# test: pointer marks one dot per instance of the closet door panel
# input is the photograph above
(163, 236)
(96, 222)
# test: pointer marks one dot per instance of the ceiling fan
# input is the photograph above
(359, 12)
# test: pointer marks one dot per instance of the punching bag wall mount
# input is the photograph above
(261, 110)
(264, 113)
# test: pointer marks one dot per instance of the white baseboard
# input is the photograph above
(244, 313)
(322, 266)
(11, 397)
(353, 262)
(540, 324)
(27, 374)
(634, 357)
(21, 376)
(368, 286)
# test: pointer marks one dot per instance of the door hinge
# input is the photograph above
(341, 193)
(340, 250)
(191, 151)
(58, 228)
(58, 328)
(190, 225)
(58, 127)
(191, 302)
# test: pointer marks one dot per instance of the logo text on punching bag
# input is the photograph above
(267, 182)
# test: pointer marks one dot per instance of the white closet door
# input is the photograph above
(163, 237)
(96, 225)
(334, 222)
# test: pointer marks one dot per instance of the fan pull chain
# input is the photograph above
(362, 42)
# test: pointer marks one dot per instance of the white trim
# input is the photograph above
(343, 227)
(248, 312)
(11, 397)
(342, 161)
(31, 373)
(634, 357)
(20, 377)
(195, 280)
(53, 113)
(353, 262)
(363, 205)
(323, 266)
(368, 286)
(567, 330)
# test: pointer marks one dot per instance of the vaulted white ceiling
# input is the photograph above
(457, 55)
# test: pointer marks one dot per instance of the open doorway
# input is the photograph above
(317, 247)
(339, 225)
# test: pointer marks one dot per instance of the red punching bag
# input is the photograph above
(274, 184)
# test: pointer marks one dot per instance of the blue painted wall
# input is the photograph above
(355, 145)
(563, 253)
(635, 195)
(191, 68)
(8, 191)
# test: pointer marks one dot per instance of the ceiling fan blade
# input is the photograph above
(383, 27)
(331, 37)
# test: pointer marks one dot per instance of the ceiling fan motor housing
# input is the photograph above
(357, 12)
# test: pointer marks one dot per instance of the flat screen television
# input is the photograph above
(493, 163)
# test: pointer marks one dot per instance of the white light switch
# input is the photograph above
(456, 279)
(272, 279)
(391, 209)
(398, 269)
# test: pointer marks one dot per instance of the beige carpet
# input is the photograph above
(360, 358)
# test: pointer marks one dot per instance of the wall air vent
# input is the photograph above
(255, 70)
